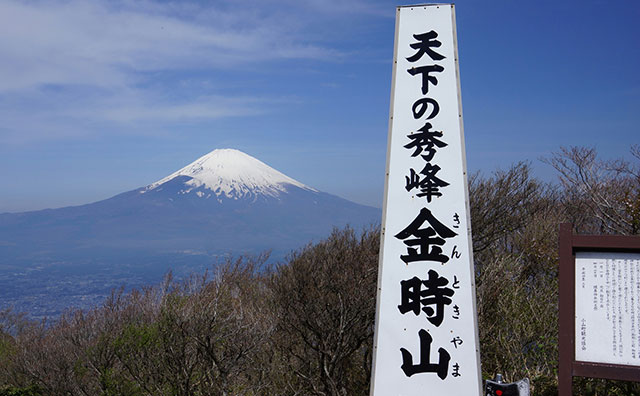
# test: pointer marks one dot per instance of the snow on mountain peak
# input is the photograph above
(231, 173)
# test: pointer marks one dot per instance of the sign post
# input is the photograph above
(426, 322)
(599, 311)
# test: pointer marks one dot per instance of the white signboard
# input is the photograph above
(608, 308)
(426, 326)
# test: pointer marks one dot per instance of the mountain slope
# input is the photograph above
(232, 174)
(226, 202)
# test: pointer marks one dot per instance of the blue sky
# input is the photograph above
(98, 98)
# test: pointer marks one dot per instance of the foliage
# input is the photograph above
(305, 326)
(516, 273)
(14, 391)
(600, 196)
(324, 301)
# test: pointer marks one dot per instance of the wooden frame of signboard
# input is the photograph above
(569, 244)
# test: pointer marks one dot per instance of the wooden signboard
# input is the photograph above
(599, 312)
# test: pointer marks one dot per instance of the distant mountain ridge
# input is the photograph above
(225, 202)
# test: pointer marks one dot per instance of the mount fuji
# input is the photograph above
(225, 203)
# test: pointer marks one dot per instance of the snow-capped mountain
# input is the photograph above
(229, 173)
(225, 202)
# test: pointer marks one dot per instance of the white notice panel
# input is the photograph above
(608, 308)
(426, 327)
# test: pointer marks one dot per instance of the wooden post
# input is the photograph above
(566, 315)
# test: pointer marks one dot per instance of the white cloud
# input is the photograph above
(98, 44)
(68, 115)
(70, 64)
(201, 108)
